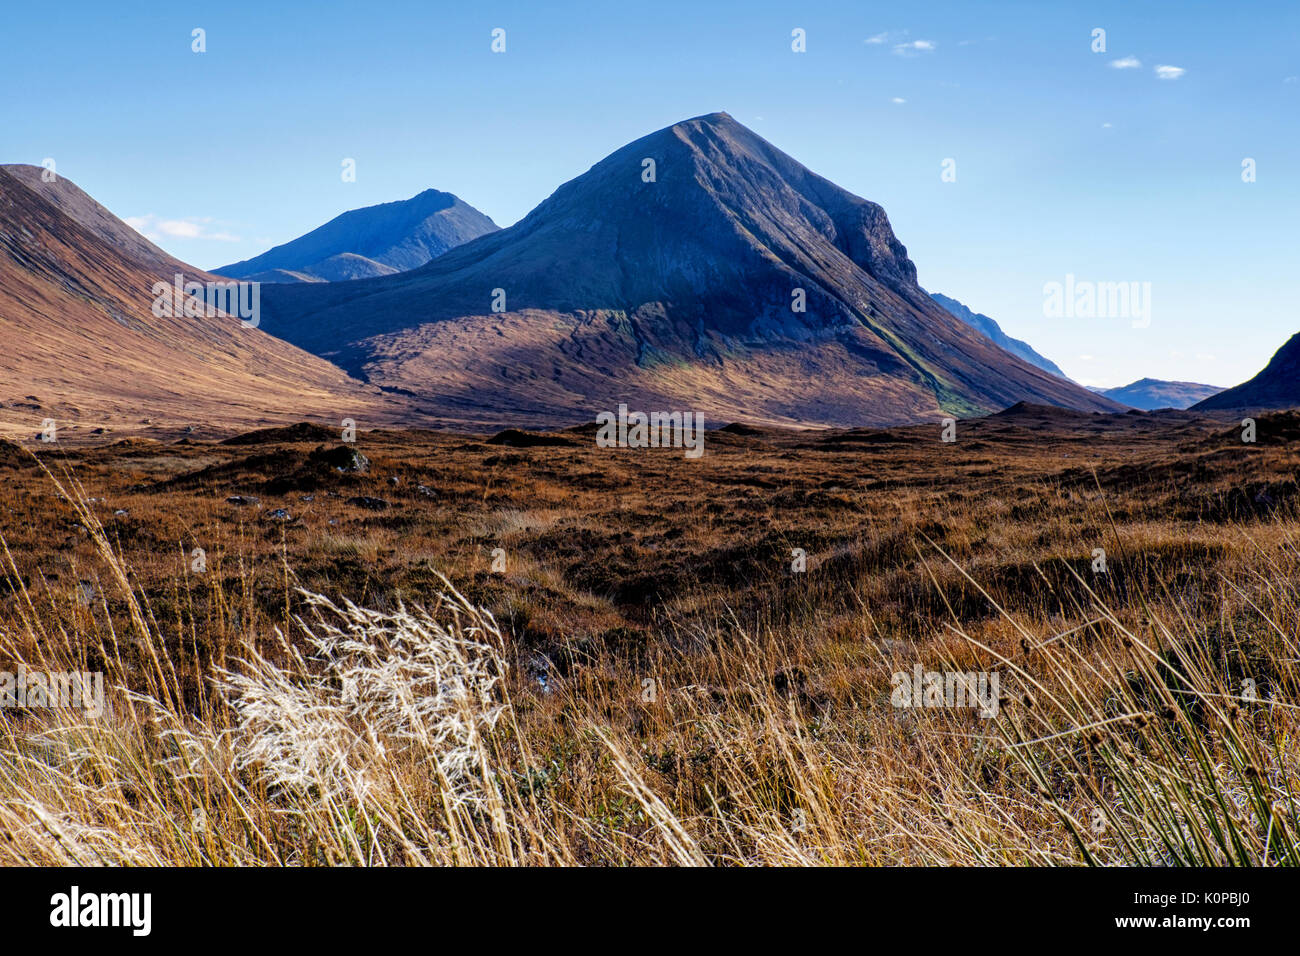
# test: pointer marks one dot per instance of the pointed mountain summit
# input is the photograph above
(700, 268)
(377, 240)
(1277, 386)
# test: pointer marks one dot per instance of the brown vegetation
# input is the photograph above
(669, 690)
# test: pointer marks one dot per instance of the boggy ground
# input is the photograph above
(678, 691)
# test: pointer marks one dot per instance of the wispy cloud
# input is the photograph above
(1126, 63)
(1291, 79)
(913, 47)
(899, 100)
(155, 228)
(901, 44)
(1165, 72)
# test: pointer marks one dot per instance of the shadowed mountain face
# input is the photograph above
(1149, 394)
(980, 321)
(375, 241)
(675, 293)
(79, 342)
(1277, 386)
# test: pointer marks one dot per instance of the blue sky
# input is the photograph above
(1068, 161)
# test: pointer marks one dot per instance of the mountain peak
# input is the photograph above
(372, 241)
(699, 266)
(719, 118)
(1149, 394)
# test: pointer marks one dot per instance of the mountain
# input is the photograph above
(978, 320)
(81, 343)
(1276, 387)
(668, 276)
(1149, 394)
(64, 196)
(375, 241)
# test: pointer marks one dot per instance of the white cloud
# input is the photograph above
(180, 228)
(1105, 126)
(1291, 79)
(1169, 72)
(191, 227)
(1126, 63)
(899, 100)
(913, 47)
(902, 45)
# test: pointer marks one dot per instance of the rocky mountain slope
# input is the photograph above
(698, 268)
(1277, 386)
(65, 196)
(81, 343)
(980, 321)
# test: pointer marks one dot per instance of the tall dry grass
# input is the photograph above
(414, 736)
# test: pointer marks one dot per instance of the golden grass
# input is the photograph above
(717, 710)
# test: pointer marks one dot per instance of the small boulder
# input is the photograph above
(342, 459)
(370, 504)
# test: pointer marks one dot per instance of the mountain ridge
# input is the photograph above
(994, 331)
(371, 241)
(673, 289)
(1274, 387)
(83, 346)
(1149, 394)
(83, 209)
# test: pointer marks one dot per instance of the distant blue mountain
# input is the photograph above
(374, 241)
(1152, 393)
(977, 320)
